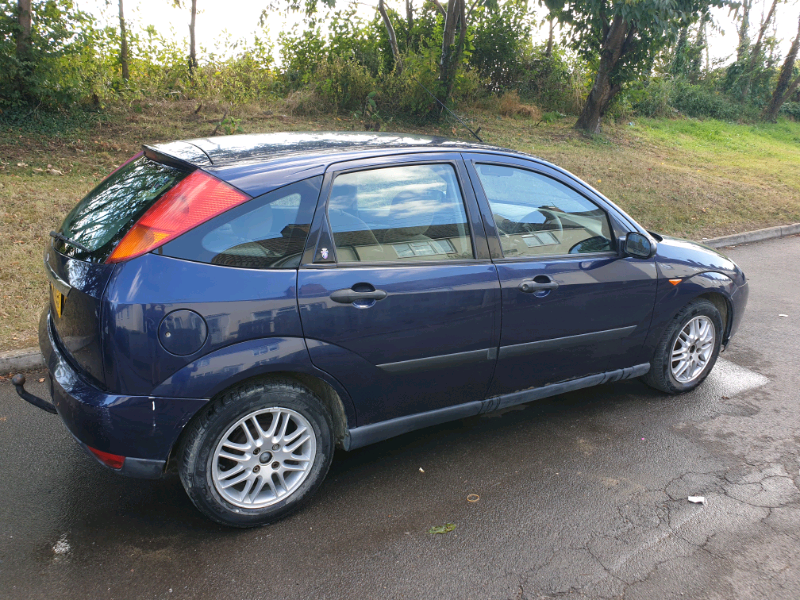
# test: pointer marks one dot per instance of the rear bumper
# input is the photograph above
(143, 429)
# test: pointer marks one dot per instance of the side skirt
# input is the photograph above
(377, 432)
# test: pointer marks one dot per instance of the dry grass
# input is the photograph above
(687, 178)
(510, 106)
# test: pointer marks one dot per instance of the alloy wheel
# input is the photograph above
(264, 457)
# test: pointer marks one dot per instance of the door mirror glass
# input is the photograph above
(638, 246)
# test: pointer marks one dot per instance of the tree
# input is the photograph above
(622, 38)
(786, 85)
(756, 50)
(24, 33)
(123, 41)
(387, 22)
(456, 17)
(123, 44)
(192, 39)
(744, 29)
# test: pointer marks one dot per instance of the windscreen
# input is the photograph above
(106, 214)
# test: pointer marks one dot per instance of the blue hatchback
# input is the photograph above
(241, 306)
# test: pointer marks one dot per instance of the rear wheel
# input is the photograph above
(256, 453)
(688, 349)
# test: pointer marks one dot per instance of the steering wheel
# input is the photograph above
(597, 243)
(527, 222)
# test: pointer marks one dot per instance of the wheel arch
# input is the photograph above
(713, 286)
(724, 306)
(321, 389)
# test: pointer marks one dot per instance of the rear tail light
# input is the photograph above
(115, 461)
(195, 200)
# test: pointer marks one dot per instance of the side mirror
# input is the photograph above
(637, 246)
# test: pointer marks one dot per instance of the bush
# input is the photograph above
(791, 109)
(702, 102)
(401, 92)
(342, 84)
(552, 82)
(63, 67)
(499, 39)
(651, 98)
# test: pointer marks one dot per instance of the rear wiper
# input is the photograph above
(66, 240)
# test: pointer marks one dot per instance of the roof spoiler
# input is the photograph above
(182, 155)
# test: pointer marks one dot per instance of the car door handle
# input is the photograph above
(529, 286)
(348, 296)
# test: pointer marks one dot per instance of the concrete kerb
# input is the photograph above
(27, 359)
(748, 237)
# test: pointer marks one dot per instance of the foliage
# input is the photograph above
(342, 63)
(703, 102)
(62, 67)
(446, 528)
(555, 82)
(652, 98)
(656, 24)
(499, 39)
(342, 84)
(791, 109)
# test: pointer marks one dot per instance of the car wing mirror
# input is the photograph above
(637, 245)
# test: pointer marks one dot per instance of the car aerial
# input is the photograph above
(239, 307)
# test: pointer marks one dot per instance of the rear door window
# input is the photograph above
(106, 214)
(268, 232)
(406, 213)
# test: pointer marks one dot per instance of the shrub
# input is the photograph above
(700, 101)
(651, 98)
(791, 109)
(402, 92)
(553, 82)
(342, 84)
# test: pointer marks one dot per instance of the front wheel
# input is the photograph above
(256, 453)
(688, 349)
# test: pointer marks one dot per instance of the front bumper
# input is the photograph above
(738, 304)
(143, 429)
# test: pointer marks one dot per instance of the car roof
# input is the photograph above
(257, 163)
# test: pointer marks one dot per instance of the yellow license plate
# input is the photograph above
(58, 300)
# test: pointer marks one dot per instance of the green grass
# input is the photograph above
(683, 177)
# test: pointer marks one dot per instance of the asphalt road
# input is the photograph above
(581, 496)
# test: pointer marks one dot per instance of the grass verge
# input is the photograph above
(682, 177)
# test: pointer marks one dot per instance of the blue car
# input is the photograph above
(239, 307)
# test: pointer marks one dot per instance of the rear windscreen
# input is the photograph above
(106, 214)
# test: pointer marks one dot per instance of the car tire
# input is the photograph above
(680, 365)
(242, 461)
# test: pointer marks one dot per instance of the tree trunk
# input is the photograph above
(123, 44)
(744, 30)
(192, 47)
(454, 10)
(410, 22)
(452, 48)
(700, 45)
(387, 22)
(755, 52)
(604, 89)
(679, 60)
(548, 51)
(24, 34)
(786, 87)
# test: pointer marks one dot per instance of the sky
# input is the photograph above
(240, 19)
